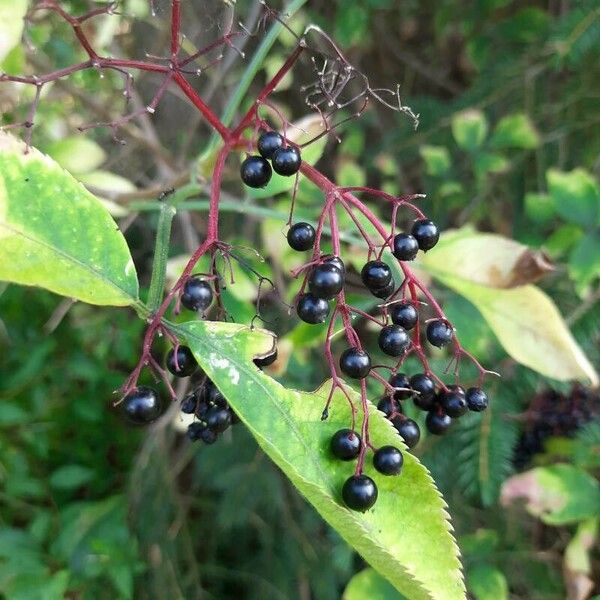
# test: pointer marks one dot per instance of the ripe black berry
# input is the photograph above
(376, 275)
(426, 233)
(195, 429)
(268, 142)
(267, 360)
(408, 430)
(394, 340)
(337, 261)
(477, 399)
(404, 314)
(385, 292)
(388, 460)
(142, 406)
(208, 436)
(437, 422)
(355, 363)
(186, 363)
(326, 281)
(255, 172)
(188, 404)
(218, 419)
(197, 294)
(359, 492)
(345, 444)
(388, 406)
(424, 387)
(400, 380)
(405, 246)
(311, 309)
(286, 161)
(453, 401)
(439, 332)
(301, 236)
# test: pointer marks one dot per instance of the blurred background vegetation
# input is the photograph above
(508, 95)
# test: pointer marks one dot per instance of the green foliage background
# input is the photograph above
(507, 96)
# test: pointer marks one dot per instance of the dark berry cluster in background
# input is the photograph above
(553, 414)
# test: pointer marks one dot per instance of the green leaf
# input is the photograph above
(584, 261)
(576, 196)
(488, 162)
(437, 159)
(487, 583)
(515, 131)
(299, 132)
(12, 13)
(55, 234)
(539, 207)
(69, 477)
(406, 535)
(370, 584)
(559, 495)
(563, 239)
(469, 129)
(77, 154)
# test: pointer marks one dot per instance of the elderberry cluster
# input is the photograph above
(359, 491)
(285, 160)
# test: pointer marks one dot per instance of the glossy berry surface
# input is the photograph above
(268, 142)
(394, 340)
(400, 380)
(388, 406)
(255, 172)
(267, 360)
(326, 281)
(345, 444)
(406, 246)
(185, 364)
(218, 419)
(286, 161)
(359, 492)
(311, 309)
(453, 401)
(437, 422)
(337, 261)
(385, 292)
(355, 363)
(426, 233)
(197, 294)
(477, 399)
(188, 404)
(388, 460)
(408, 430)
(424, 387)
(301, 236)
(142, 406)
(376, 275)
(439, 333)
(404, 314)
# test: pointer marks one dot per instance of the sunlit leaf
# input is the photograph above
(469, 129)
(12, 13)
(437, 159)
(77, 154)
(370, 584)
(576, 196)
(515, 131)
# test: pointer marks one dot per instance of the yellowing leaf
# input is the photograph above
(77, 154)
(12, 13)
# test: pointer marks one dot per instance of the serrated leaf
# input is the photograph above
(56, 235)
(370, 584)
(437, 159)
(558, 495)
(469, 129)
(77, 154)
(406, 535)
(487, 583)
(515, 131)
(12, 13)
(576, 196)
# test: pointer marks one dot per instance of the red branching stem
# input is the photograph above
(175, 28)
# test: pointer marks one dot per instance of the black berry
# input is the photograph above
(388, 460)
(405, 246)
(408, 430)
(385, 292)
(426, 233)
(376, 275)
(267, 360)
(208, 436)
(345, 444)
(326, 281)
(437, 422)
(194, 430)
(439, 332)
(355, 363)
(311, 309)
(218, 419)
(197, 294)
(268, 142)
(400, 380)
(337, 261)
(404, 314)
(388, 406)
(188, 404)
(424, 388)
(394, 340)
(255, 172)
(477, 399)
(185, 364)
(286, 161)
(359, 492)
(142, 406)
(301, 236)
(453, 401)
